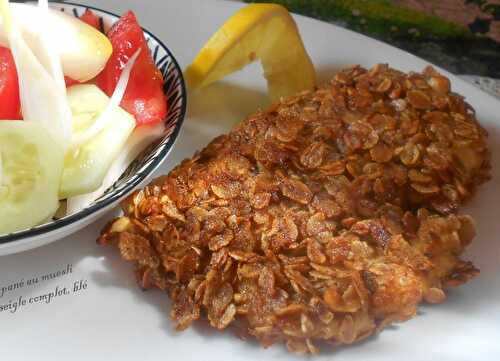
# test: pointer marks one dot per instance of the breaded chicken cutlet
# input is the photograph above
(320, 220)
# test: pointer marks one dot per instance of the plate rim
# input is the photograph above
(49, 228)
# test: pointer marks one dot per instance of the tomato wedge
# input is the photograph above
(144, 97)
(91, 19)
(10, 107)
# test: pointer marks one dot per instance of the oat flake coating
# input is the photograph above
(322, 219)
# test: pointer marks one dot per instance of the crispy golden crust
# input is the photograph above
(324, 218)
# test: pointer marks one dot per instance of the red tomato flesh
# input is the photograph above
(10, 104)
(144, 97)
(91, 19)
(69, 81)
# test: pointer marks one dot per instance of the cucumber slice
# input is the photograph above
(86, 166)
(30, 173)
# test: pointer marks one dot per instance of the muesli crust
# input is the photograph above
(324, 218)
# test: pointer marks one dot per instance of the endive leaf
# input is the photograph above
(43, 99)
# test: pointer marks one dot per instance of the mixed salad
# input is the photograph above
(76, 105)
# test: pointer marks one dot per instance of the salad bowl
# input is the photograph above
(141, 167)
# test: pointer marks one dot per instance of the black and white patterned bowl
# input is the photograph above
(142, 167)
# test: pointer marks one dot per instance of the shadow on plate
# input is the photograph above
(120, 274)
(222, 101)
(51, 258)
(326, 73)
(484, 251)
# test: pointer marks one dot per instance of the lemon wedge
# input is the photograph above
(257, 31)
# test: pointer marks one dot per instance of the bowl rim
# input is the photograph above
(101, 205)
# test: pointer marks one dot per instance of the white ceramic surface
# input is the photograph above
(114, 320)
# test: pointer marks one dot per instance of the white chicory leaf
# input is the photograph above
(83, 50)
(43, 99)
(51, 61)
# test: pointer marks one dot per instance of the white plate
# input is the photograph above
(113, 320)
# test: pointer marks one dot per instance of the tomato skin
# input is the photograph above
(10, 104)
(91, 19)
(70, 82)
(144, 97)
